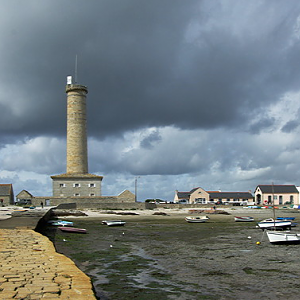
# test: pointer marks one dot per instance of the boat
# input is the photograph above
(285, 237)
(280, 223)
(244, 219)
(113, 223)
(201, 219)
(286, 218)
(60, 223)
(272, 223)
(72, 229)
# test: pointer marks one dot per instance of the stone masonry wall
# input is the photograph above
(120, 202)
(76, 129)
(85, 187)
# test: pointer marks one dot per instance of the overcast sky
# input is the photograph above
(182, 94)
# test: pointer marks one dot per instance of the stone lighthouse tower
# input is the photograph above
(76, 182)
(77, 161)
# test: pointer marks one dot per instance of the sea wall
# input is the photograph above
(88, 202)
(30, 267)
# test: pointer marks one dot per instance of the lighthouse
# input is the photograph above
(77, 157)
(77, 181)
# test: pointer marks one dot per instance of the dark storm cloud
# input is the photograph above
(139, 64)
(290, 126)
(175, 87)
(265, 123)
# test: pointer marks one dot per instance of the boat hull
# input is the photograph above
(286, 218)
(60, 223)
(202, 219)
(270, 223)
(72, 229)
(243, 219)
(114, 223)
(283, 237)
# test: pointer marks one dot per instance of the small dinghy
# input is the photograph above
(244, 219)
(286, 218)
(283, 237)
(72, 229)
(60, 223)
(113, 223)
(201, 219)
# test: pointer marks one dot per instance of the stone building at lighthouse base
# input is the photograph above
(77, 185)
(125, 200)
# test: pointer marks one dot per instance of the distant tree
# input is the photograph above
(154, 200)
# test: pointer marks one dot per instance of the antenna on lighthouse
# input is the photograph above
(76, 69)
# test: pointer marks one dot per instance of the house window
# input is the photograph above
(77, 195)
(200, 200)
(62, 185)
(76, 185)
(92, 185)
(92, 195)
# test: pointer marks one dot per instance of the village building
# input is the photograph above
(276, 194)
(200, 196)
(6, 194)
(24, 197)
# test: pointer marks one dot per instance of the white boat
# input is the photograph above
(244, 219)
(271, 223)
(201, 219)
(283, 237)
(114, 222)
(60, 223)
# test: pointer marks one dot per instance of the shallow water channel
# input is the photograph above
(164, 257)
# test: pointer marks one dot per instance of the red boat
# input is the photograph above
(72, 229)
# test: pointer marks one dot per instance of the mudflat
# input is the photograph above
(161, 256)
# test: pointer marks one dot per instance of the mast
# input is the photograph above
(273, 202)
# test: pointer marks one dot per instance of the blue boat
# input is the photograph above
(60, 223)
(286, 218)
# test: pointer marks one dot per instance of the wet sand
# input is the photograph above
(164, 257)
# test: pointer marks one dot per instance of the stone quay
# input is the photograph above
(30, 267)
